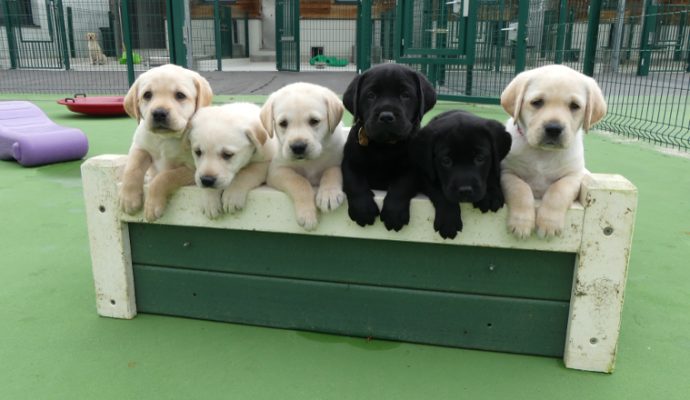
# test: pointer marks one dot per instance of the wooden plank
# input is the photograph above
(449, 319)
(269, 210)
(601, 274)
(479, 270)
(109, 241)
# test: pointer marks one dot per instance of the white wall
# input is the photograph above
(336, 36)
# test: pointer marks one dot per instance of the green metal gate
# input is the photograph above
(287, 35)
(42, 48)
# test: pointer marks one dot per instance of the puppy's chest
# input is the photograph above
(168, 153)
(541, 170)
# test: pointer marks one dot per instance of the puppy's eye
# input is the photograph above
(479, 159)
(180, 96)
(446, 162)
(283, 124)
(197, 152)
(226, 155)
(574, 106)
(371, 95)
(405, 95)
(147, 95)
(537, 103)
(314, 122)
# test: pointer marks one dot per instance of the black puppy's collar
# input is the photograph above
(362, 137)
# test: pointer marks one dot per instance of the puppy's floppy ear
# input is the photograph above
(204, 93)
(351, 96)
(596, 105)
(426, 94)
(258, 136)
(131, 102)
(500, 145)
(513, 94)
(334, 108)
(421, 150)
(266, 116)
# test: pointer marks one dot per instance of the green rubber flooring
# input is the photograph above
(53, 345)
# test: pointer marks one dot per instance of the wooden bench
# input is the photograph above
(484, 290)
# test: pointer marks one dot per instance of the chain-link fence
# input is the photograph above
(638, 50)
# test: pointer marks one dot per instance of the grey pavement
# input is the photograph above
(115, 82)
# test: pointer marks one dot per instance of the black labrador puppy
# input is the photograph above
(460, 154)
(387, 102)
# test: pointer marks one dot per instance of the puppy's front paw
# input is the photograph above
(395, 214)
(492, 201)
(154, 208)
(521, 223)
(329, 198)
(448, 223)
(550, 222)
(234, 200)
(131, 200)
(306, 218)
(211, 206)
(362, 210)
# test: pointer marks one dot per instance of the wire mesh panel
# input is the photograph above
(219, 33)
(645, 73)
(288, 33)
(78, 46)
(327, 35)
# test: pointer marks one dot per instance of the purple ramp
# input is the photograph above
(30, 137)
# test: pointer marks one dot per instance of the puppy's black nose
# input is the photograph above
(386, 117)
(208, 180)
(553, 129)
(159, 115)
(465, 191)
(298, 148)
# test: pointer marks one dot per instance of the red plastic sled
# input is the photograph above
(99, 105)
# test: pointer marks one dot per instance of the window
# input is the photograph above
(20, 10)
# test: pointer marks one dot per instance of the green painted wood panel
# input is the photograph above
(450, 319)
(460, 269)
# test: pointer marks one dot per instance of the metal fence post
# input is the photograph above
(127, 39)
(363, 48)
(592, 35)
(216, 31)
(61, 34)
(678, 48)
(11, 40)
(176, 24)
(521, 44)
(560, 31)
(246, 35)
(70, 32)
(648, 26)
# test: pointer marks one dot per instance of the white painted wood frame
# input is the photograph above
(598, 229)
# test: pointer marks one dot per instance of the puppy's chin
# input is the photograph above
(388, 133)
(455, 197)
(310, 154)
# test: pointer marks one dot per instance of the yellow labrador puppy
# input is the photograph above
(306, 118)
(95, 52)
(551, 107)
(232, 151)
(162, 99)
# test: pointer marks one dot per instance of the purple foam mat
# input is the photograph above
(30, 137)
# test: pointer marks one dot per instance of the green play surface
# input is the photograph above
(53, 345)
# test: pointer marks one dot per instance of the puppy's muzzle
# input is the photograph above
(463, 192)
(299, 149)
(552, 134)
(386, 117)
(160, 118)
(208, 181)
